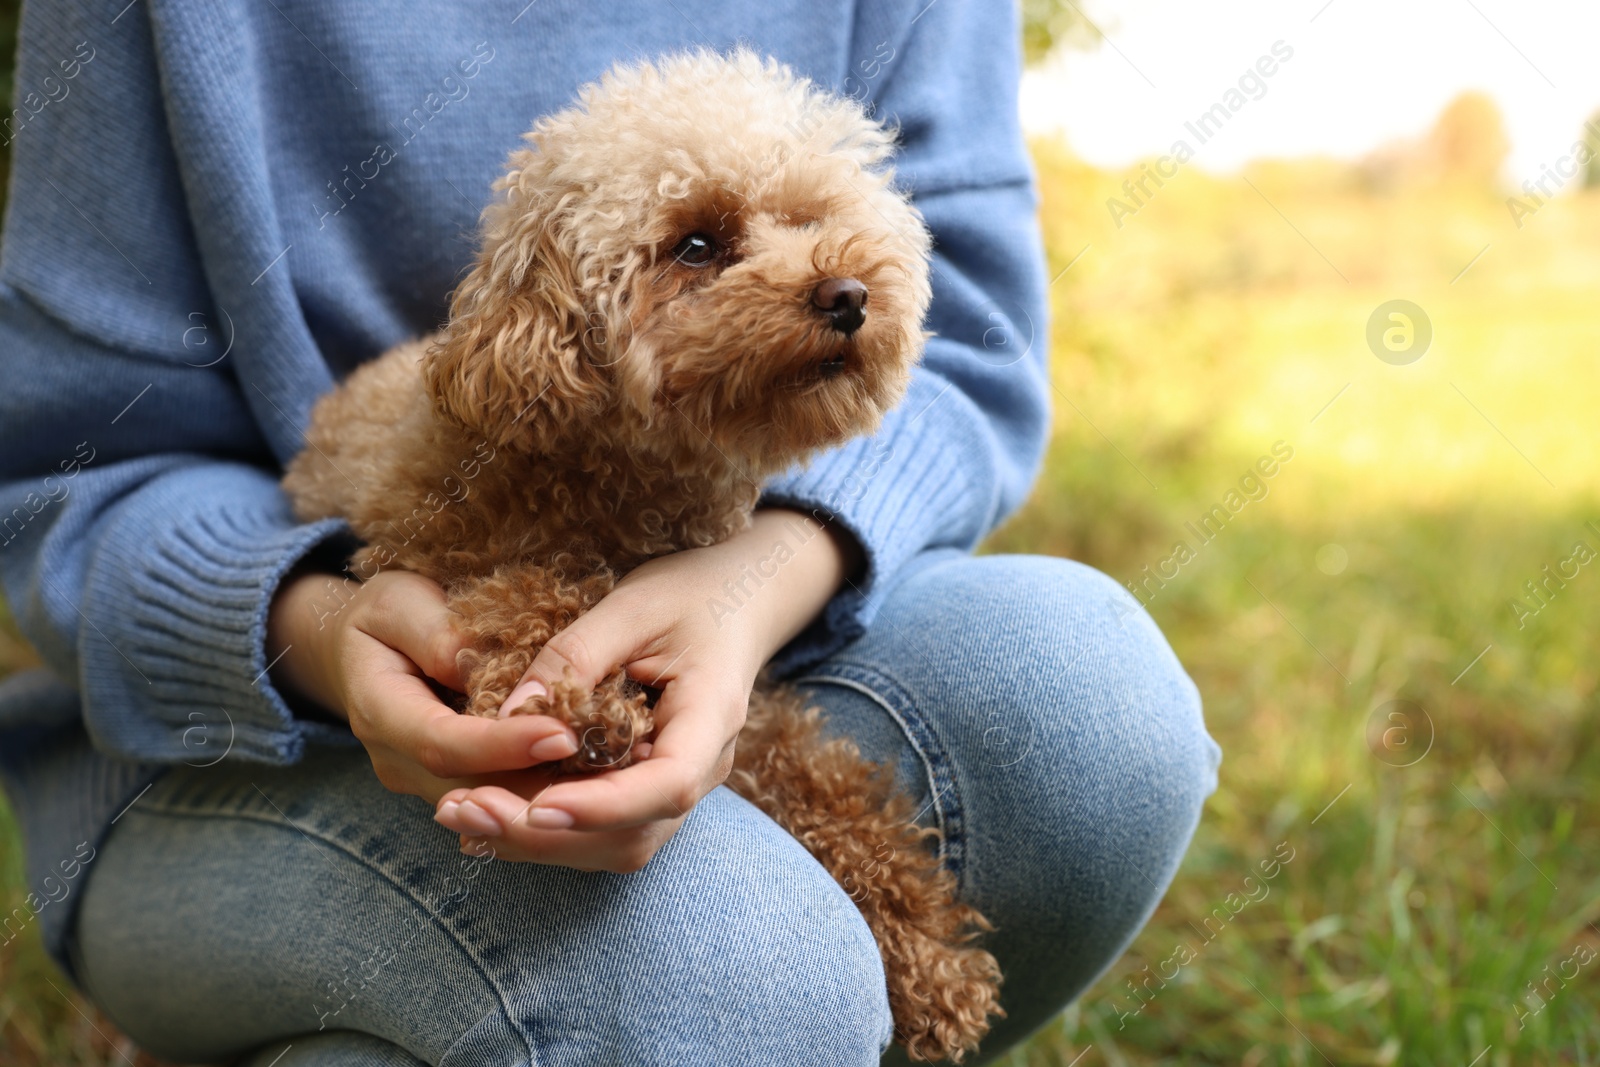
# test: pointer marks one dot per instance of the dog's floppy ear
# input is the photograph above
(511, 363)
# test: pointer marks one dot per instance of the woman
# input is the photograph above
(212, 218)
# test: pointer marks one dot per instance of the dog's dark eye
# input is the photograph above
(696, 250)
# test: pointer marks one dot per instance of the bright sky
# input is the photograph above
(1363, 72)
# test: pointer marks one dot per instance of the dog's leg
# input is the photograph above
(840, 806)
(508, 617)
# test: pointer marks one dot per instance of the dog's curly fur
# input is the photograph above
(601, 397)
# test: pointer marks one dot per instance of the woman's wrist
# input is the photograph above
(299, 641)
(794, 565)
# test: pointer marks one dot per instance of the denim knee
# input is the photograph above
(1079, 760)
(1090, 667)
(1075, 706)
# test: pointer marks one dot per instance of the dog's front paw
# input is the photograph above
(491, 677)
(610, 722)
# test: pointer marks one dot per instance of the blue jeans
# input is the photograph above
(1042, 724)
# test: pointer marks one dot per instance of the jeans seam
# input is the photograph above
(891, 696)
(438, 920)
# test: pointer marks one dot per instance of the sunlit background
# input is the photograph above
(1380, 270)
(1364, 72)
(1394, 634)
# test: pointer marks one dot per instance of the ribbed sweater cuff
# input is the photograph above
(915, 484)
(177, 597)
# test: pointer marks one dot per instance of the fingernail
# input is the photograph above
(531, 688)
(446, 815)
(556, 746)
(549, 819)
(475, 820)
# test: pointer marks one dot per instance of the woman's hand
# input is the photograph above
(699, 624)
(362, 651)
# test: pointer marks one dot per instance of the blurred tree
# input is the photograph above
(1467, 146)
(1468, 141)
(1048, 23)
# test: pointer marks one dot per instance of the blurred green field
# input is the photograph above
(1441, 901)
(1440, 907)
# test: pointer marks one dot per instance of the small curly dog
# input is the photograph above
(695, 277)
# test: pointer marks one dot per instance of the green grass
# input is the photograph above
(1423, 902)
(1420, 904)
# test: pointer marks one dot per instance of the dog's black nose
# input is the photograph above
(844, 301)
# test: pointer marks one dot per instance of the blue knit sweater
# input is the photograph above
(200, 240)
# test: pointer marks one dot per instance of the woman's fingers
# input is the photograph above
(698, 719)
(408, 613)
(585, 652)
(649, 792)
(401, 714)
(403, 630)
(501, 816)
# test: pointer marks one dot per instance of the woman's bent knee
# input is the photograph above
(1078, 757)
(1048, 677)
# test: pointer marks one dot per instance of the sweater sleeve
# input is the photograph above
(142, 531)
(960, 453)
(145, 577)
